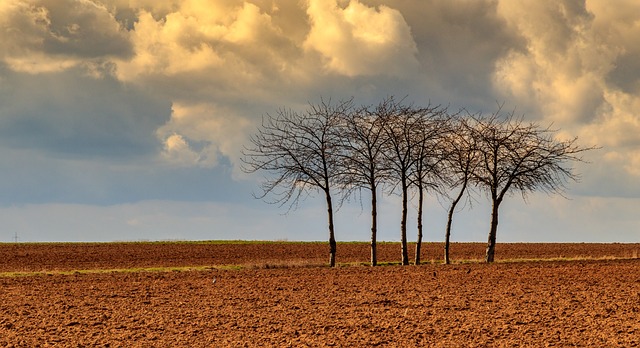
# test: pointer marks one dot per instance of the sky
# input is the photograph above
(124, 120)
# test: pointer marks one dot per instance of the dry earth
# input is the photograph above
(594, 303)
(27, 257)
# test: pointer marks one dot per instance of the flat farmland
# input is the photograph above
(35, 257)
(280, 295)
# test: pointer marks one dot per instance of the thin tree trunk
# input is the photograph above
(332, 237)
(419, 239)
(374, 226)
(491, 243)
(447, 235)
(403, 224)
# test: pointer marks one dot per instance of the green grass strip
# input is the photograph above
(294, 264)
(119, 270)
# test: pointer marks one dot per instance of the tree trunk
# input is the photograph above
(447, 235)
(419, 239)
(491, 243)
(374, 226)
(332, 237)
(403, 223)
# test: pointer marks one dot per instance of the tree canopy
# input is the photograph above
(337, 147)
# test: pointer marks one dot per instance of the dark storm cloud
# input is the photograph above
(71, 28)
(626, 73)
(71, 114)
(458, 44)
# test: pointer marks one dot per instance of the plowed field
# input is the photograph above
(56, 295)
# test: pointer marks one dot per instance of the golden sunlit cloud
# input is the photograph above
(38, 63)
(159, 48)
(566, 70)
(202, 36)
(619, 125)
(361, 40)
(177, 151)
(217, 132)
(40, 37)
(561, 69)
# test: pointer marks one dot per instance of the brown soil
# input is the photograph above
(561, 303)
(26, 257)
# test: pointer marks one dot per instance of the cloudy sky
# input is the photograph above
(125, 119)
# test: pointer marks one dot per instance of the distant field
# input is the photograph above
(189, 295)
(37, 257)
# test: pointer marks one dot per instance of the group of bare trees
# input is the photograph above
(396, 147)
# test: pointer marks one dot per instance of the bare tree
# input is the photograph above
(461, 160)
(428, 130)
(399, 157)
(300, 151)
(363, 142)
(520, 157)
